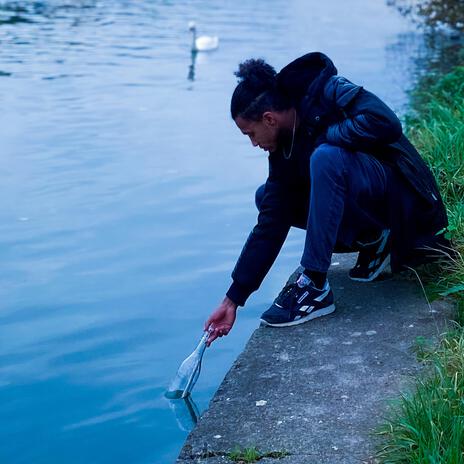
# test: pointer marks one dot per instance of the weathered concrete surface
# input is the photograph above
(318, 390)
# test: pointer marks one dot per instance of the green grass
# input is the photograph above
(427, 425)
(252, 454)
(245, 455)
(436, 128)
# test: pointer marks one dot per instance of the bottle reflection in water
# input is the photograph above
(185, 412)
(188, 372)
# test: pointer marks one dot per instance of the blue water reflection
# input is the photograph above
(127, 194)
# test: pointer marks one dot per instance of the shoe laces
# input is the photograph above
(287, 294)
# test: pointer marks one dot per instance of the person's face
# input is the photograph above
(263, 134)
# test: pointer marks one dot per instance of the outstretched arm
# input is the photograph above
(257, 256)
(264, 242)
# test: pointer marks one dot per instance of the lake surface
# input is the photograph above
(126, 195)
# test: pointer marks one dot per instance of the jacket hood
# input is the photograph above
(305, 76)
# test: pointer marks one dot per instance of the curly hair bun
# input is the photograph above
(256, 74)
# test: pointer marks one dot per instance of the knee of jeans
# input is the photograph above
(326, 157)
(259, 195)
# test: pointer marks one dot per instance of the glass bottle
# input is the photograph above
(188, 372)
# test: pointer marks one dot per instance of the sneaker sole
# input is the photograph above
(320, 312)
(381, 268)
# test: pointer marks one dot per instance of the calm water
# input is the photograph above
(126, 195)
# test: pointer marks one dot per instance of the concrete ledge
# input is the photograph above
(318, 390)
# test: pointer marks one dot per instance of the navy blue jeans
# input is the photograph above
(348, 204)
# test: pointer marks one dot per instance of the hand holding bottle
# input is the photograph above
(221, 320)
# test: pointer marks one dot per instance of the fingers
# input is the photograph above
(211, 338)
(221, 331)
(208, 323)
(217, 332)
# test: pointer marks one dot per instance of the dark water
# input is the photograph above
(126, 196)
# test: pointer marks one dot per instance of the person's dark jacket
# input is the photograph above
(334, 110)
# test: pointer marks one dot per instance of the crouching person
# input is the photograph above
(339, 167)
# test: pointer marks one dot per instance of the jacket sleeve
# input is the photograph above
(264, 242)
(366, 121)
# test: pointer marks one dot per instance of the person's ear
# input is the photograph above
(269, 119)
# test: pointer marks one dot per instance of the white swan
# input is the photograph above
(203, 43)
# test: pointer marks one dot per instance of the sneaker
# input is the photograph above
(299, 302)
(373, 258)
